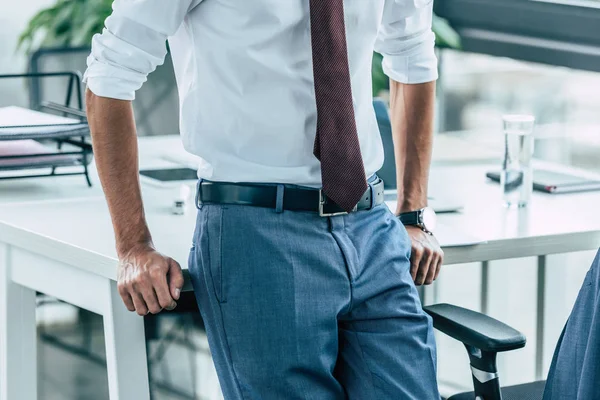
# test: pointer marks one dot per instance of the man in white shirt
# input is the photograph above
(305, 280)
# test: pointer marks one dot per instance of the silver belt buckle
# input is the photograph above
(322, 205)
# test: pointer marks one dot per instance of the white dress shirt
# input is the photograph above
(245, 78)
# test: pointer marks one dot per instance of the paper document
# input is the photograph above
(450, 236)
(24, 148)
(447, 235)
(12, 116)
(439, 204)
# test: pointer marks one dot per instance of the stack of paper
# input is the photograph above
(20, 128)
(22, 123)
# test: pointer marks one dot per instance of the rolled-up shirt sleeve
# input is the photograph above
(132, 45)
(406, 41)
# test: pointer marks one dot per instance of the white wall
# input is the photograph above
(13, 20)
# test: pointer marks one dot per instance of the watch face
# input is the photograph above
(429, 219)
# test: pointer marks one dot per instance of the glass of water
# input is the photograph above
(516, 177)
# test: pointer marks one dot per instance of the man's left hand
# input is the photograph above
(426, 256)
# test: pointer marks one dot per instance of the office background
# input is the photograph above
(539, 57)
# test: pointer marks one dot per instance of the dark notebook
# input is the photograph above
(556, 182)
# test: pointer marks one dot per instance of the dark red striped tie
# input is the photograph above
(336, 143)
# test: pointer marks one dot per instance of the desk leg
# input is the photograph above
(18, 335)
(485, 287)
(126, 360)
(541, 314)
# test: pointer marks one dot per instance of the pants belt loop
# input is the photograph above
(279, 201)
(198, 197)
(372, 196)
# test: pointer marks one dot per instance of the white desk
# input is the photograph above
(551, 224)
(95, 286)
(64, 247)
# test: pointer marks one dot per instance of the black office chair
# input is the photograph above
(183, 324)
(484, 337)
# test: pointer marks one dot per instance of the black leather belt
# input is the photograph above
(295, 198)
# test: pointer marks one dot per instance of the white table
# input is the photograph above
(96, 290)
(64, 247)
(552, 224)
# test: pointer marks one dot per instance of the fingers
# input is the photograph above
(151, 300)
(415, 261)
(424, 265)
(433, 271)
(161, 287)
(149, 283)
(143, 284)
(439, 265)
(420, 263)
(175, 277)
(426, 257)
(139, 304)
(144, 297)
(433, 268)
(126, 297)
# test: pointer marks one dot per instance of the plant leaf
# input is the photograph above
(445, 35)
(65, 23)
(380, 80)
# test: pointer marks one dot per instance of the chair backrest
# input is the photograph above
(388, 170)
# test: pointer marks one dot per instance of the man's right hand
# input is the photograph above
(149, 281)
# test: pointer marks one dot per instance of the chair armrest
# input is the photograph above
(475, 329)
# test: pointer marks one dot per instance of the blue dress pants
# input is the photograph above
(298, 306)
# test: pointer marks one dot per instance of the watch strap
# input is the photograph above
(410, 218)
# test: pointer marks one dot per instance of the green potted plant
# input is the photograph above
(67, 23)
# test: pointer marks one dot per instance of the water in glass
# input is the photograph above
(516, 177)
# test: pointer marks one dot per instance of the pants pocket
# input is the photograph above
(211, 243)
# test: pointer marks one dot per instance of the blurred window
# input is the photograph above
(513, 60)
(478, 89)
(555, 32)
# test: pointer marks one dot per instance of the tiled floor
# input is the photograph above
(65, 375)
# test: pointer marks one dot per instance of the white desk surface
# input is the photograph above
(72, 223)
(551, 224)
(153, 155)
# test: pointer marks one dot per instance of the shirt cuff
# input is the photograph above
(419, 65)
(105, 80)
